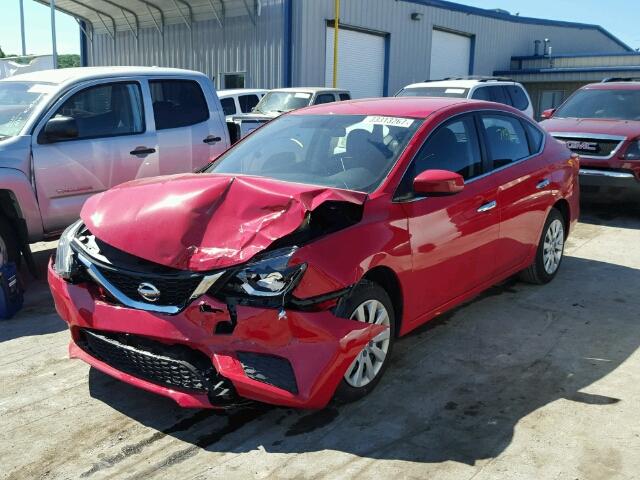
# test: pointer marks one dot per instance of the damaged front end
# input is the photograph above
(215, 336)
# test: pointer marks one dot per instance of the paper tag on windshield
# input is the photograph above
(389, 121)
(454, 90)
(302, 95)
(41, 88)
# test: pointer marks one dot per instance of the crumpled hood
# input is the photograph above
(203, 221)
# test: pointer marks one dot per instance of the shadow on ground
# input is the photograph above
(455, 389)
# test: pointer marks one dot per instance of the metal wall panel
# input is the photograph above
(240, 46)
(496, 40)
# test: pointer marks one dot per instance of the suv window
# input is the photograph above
(481, 93)
(506, 139)
(177, 103)
(453, 146)
(106, 110)
(247, 102)
(518, 96)
(228, 106)
(324, 98)
(345, 96)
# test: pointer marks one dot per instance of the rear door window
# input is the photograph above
(482, 93)
(506, 139)
(324, 98)
(106, 110)
(345, 96)
(228, 106)
(247, 102)
(518, 96)
(177, 103)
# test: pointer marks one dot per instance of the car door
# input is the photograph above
(513, 148)
(112, 145)
(188, 130)
(454, 237)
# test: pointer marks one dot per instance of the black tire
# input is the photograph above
(9, 238)
(364, 291)
(536, 272)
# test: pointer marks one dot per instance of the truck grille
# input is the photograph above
(589, 146)
(175, 366)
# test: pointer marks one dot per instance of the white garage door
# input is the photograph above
(360, 62)
(450, 54)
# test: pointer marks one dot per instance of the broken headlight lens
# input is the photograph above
(64, 255)
(270, 276)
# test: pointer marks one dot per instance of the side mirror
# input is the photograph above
(439, 182)
(548, 113)
(60, 128)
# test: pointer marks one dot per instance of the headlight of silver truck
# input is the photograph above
(64, 254)
(270, 276)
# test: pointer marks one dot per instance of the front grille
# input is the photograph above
(591, 147)
(269, 369)
(175, 366)
(174, 289)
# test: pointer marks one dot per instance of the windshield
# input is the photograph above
(355, 152)
(17, 101)
(282, 102)
(433, 92)
(610, 104)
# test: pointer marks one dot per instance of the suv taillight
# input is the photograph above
(633, 150)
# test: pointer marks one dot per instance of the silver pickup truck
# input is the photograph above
(70, 133)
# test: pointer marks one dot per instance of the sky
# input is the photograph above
(623, 24)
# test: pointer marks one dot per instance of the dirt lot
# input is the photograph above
(524, 382)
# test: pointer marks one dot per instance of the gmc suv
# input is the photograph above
(601, 122)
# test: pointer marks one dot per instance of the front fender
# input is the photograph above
(18, 185)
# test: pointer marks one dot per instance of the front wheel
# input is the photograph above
(550, 251)
(368, 303)
(9, 251)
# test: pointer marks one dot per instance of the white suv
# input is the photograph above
(492, 89)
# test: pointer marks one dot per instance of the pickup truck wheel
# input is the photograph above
(9, 251)
(368, 303)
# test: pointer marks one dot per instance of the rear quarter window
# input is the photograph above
(518, 96)
(535, 137)
(228, 106)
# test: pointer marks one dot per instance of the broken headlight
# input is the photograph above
(64, 255)
(269, 276)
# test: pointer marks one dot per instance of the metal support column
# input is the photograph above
(54, 49)
(24, 43)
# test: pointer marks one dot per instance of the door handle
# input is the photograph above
(543, 184)
(142, 151)
(487, 206)
(211, 139)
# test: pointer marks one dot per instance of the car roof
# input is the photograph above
(414, 107)
(310, 89)
(634, 85)
(459, 83)
(240, 91)
(63, 75)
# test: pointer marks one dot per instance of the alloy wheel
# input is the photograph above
(553, 246)
(369, 361)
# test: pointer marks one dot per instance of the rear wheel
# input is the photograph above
(368, 303)
(9, 251)
(550, 251)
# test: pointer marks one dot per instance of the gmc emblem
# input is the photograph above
(578, 145)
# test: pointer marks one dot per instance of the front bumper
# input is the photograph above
(318, 346)
(609, 183)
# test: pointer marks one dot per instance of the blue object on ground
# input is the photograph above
(11, 298)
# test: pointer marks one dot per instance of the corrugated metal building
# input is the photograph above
(383, 44)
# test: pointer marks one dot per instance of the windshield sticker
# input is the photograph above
(454, 90)
(302, 95)
(41, 88)
(388, 121)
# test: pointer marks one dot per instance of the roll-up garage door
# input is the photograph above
(450, 54)
(360, 62)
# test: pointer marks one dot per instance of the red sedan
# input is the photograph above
(285, 271)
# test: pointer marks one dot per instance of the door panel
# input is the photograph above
(110, 120)
(188, 134)
(524, 190)
(453, 238)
